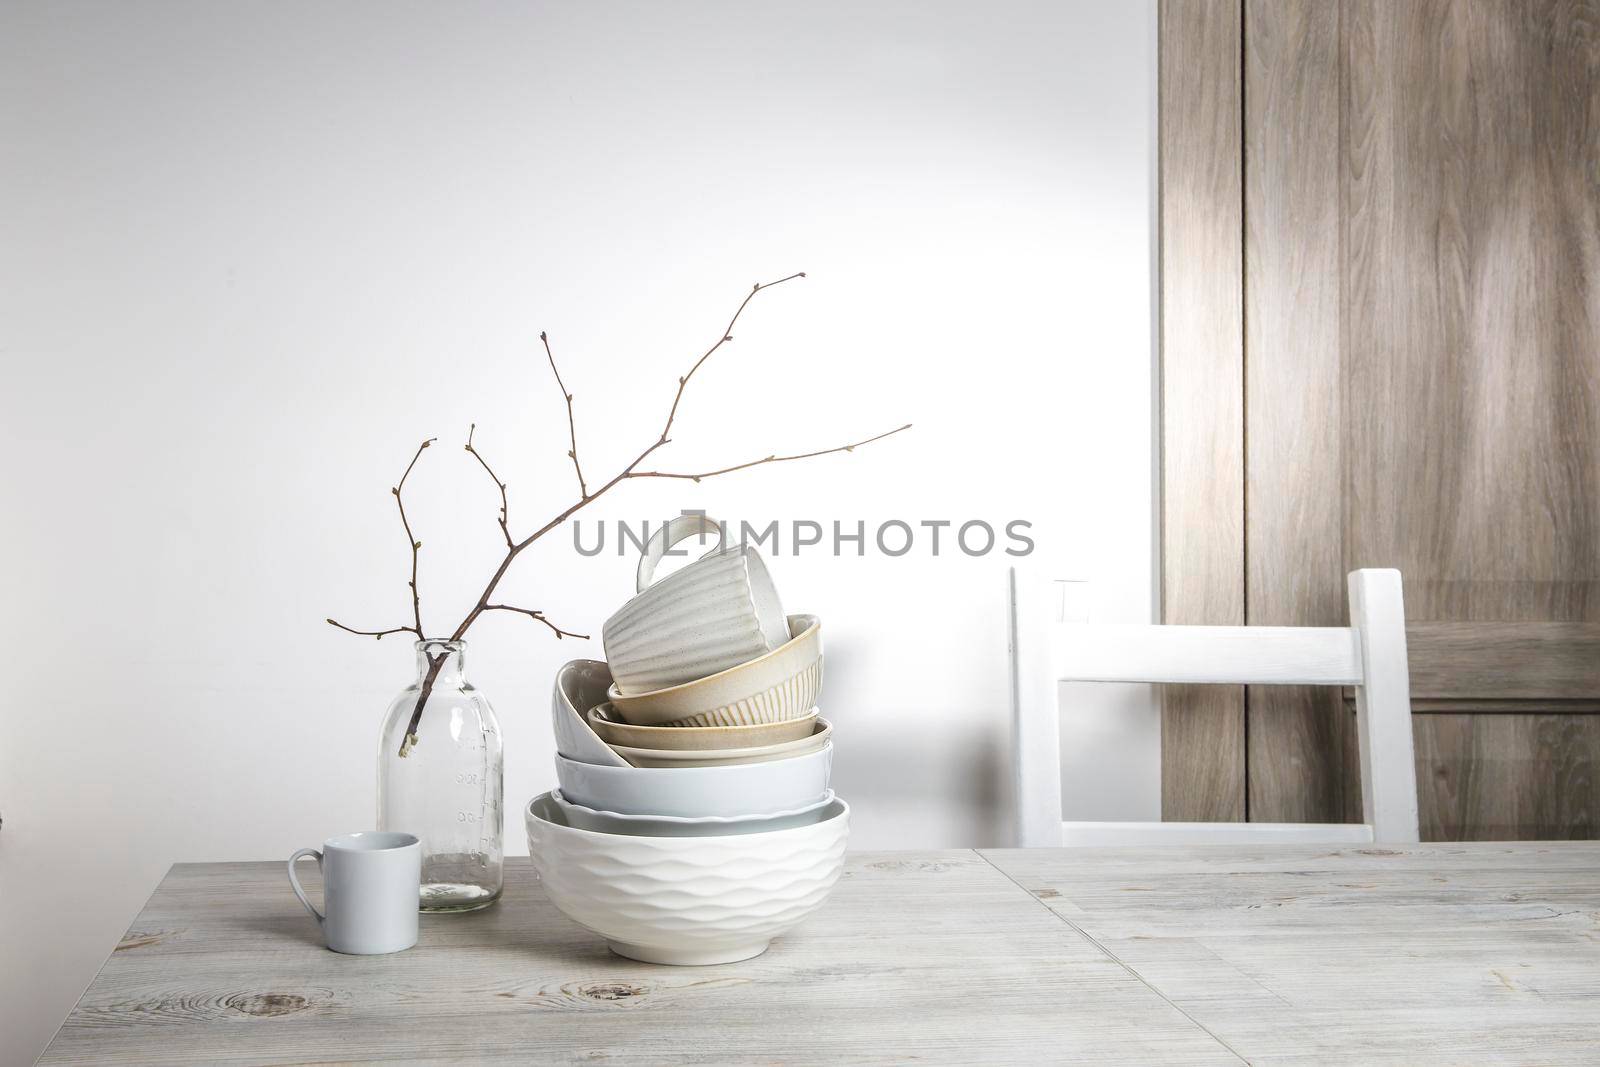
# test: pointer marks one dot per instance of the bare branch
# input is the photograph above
(416, 546)
(515, 548)
(572, 425)
(539, 615)
(379, 634)
(768, 459)
(727, 335)
(436, 660)
(505, 507)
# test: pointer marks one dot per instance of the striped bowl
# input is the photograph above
(776, 687)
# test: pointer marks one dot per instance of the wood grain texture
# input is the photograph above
(1422, 371)
(1294, 410)
(932, 956)
(1526, 776)
(1424, 954)
(1472, 280)
(1529, 661)
(1214, 954)
(1202, 393)
(1472, 289)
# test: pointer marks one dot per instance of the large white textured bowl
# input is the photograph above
(783, 684)
(691, 792)
(687, 901)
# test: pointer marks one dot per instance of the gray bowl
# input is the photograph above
(692, 792)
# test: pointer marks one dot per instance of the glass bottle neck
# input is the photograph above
(448, 655)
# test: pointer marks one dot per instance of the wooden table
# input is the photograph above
(1267, 954)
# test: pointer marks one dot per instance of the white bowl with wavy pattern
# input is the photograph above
(687, 901)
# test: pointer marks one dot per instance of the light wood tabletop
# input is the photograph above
(1214, 954)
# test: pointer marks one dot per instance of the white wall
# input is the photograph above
(251, 253)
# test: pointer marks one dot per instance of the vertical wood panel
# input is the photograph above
(1472, 296)
(1508, 777)
(1202, 392)
(1420, 336)
(1472, 276)
(1293, 388)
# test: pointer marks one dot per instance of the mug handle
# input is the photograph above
(294, 881)
(678, 529)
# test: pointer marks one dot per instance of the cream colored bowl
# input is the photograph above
(605, 722)
(687, 900)
(783, 684)
(670, 757)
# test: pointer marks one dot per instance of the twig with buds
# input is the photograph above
(515, 547)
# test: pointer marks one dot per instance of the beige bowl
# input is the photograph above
(723, 757)
(614, 731)
(781, 685)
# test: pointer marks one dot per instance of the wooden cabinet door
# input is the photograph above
(1420, 364)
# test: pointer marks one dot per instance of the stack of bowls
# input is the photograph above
(694, 820)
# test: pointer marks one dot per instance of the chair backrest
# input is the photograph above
(1370, 655)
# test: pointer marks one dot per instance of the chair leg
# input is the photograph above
(1035, 716)
(1383, 707)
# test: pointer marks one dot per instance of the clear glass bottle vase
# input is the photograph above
(445, 784)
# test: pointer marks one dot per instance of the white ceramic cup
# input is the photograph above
(717, 612)
(370, 885)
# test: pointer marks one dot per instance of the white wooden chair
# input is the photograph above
(1370, 655)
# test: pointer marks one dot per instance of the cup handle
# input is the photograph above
(294, 881)
(678, 529)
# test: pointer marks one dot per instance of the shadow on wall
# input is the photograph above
(928, 790)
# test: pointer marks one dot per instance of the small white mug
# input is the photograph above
(370, 885)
